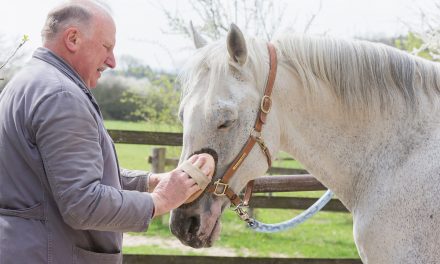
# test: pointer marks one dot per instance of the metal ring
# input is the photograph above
(265, 97)
(223, 185)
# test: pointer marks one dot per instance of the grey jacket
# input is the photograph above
(63, 198)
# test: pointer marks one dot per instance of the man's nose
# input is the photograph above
(111, 61)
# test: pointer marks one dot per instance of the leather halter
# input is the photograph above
(221, 186)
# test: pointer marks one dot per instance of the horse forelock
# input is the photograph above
(360, 74)
(214, 60)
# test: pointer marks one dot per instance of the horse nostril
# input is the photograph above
(194, 224)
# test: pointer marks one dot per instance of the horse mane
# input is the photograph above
(361, 73)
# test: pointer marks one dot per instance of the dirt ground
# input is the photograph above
(132, 241)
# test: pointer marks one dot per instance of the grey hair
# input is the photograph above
(364, 77)
(73, 13)
(361, 74)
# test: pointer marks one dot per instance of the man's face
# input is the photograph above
(96, 52)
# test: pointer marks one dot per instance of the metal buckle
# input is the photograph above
(266, 97)
(218, 183)
(243, 214)
(260, 142)
(255, 134)
(259, 138)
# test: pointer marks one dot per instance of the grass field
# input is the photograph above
(326, 235)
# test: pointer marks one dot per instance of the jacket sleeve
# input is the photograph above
(68, 138)
(135, 179)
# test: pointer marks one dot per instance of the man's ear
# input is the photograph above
(72, 39)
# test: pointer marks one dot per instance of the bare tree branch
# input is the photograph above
(260, 18)
(312, 18)
(23, 41)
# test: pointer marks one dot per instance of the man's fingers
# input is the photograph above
(199, 161)
(193, 158)
(193, 189)
(205, 162)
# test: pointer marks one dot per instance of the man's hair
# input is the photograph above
(64, 16)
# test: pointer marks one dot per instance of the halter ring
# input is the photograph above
(266, 98)
(224, 187)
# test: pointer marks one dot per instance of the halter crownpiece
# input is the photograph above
(221, 186)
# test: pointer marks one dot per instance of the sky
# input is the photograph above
(142, 27)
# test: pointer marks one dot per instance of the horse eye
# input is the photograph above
(226, 124)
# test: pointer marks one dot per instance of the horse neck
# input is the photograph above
(343, 153)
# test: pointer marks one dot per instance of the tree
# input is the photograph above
(137, 93)
(256, 17)
(157, 103)
(424, 40)
(413, 44)
(109, 92)
(4, 62)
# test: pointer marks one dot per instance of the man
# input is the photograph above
(63, 197)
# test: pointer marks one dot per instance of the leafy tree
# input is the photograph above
(108, 93)
(412, 43)
(158, 104)
(135, 92)
(424, 38)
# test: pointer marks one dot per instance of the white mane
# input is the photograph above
(360, 74)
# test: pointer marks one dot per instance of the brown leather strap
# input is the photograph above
(232, 196)
(262, 113)
(248, 193)
(266, 101)
(239, 160)
(265, 107)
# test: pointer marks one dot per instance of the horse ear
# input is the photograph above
(199, 41)
(236, 45)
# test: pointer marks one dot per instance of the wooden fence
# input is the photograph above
(162, 259)
(296, 180)
(291, 179)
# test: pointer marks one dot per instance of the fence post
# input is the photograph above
(158, 158)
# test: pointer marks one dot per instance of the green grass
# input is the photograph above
(150, 250)
(134, 156)
(326, 235)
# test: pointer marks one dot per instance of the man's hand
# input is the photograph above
(170, 190)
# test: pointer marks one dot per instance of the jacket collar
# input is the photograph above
(48, 56)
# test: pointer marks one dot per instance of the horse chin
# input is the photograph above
(196, 226)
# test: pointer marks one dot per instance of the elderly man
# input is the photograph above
(63, 197)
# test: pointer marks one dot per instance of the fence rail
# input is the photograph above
(162, 259)
(146, 138)
(297, 180)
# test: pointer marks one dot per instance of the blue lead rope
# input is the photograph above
(312, 210)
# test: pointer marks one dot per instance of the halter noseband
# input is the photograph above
(221, 186)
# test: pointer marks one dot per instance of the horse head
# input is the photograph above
(223, 84)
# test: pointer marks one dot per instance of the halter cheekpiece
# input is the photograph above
(221, 186)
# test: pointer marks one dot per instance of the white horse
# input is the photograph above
(363, 118)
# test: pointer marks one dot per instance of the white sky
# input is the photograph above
(140, 23)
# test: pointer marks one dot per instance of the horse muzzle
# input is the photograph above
(197, 225)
